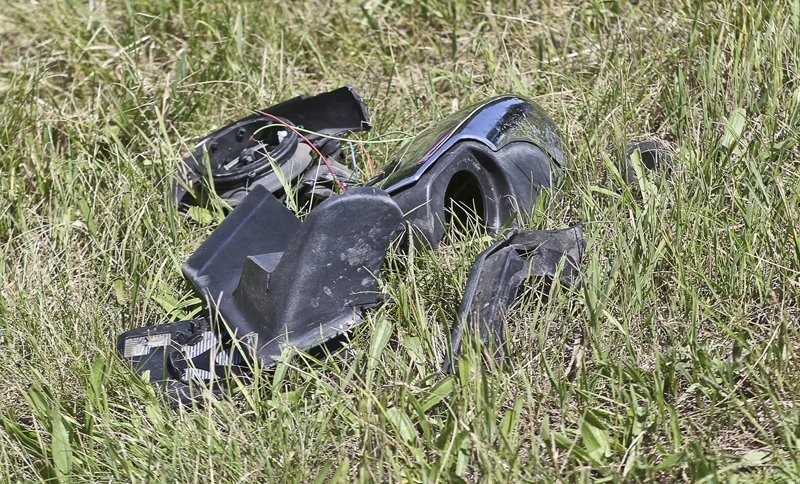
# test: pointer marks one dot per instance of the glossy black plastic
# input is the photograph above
(494, 123)
(270, 280)
(494, 157)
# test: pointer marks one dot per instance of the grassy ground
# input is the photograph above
(678, 359)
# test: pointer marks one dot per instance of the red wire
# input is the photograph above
(298, 133)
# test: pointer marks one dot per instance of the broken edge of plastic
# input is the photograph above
(270, 281)
(499, 272)
(244, 154)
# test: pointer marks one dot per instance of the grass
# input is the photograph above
(678, 359)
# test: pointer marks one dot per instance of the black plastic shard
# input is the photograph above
(182, 358)
(271, 281)
(245, 153)
(298, 283)
(500, 271)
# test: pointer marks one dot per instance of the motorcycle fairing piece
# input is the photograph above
(243, 154)
(295, 282)
(493, 158)
(499, 273)
(270, 280)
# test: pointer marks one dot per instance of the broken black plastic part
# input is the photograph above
(495, 123)
(183, 358)
(270, 280)
(243, 154)
(653, 154)
(500, 271)
(266, 273)
(494, 158)
(291, 289)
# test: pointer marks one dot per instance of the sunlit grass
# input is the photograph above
(677, 359)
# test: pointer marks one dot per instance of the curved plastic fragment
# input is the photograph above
(500, 270)
(654, 155)
(492, 158)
